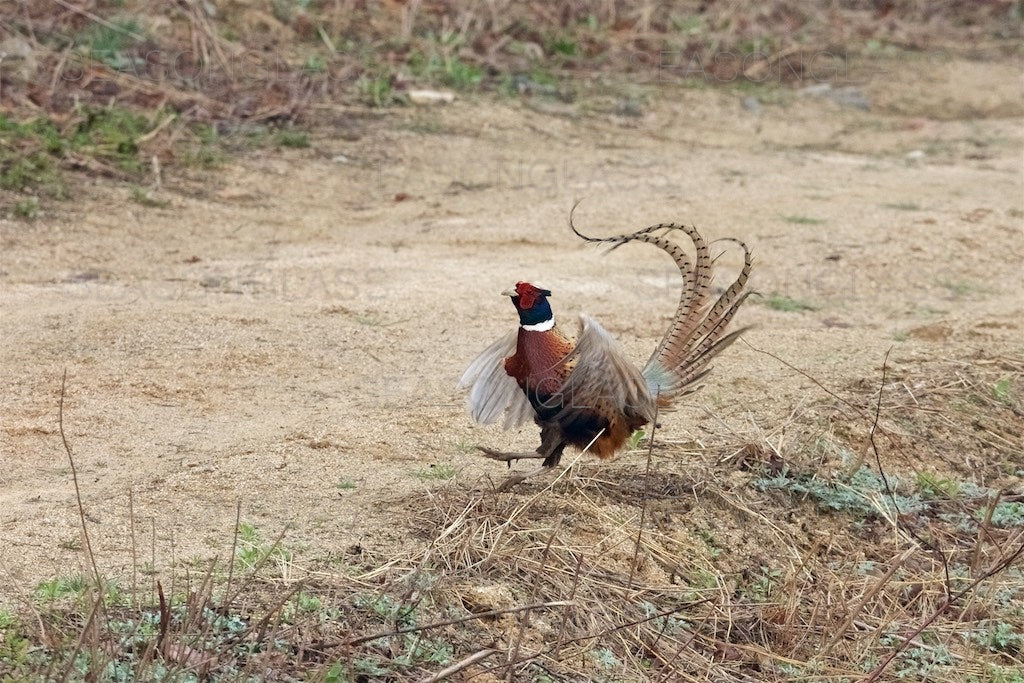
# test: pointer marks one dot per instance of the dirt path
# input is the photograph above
(298, 325)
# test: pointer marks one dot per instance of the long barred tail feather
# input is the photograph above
(699, 328)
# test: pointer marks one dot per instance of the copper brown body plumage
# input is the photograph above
(588, 394)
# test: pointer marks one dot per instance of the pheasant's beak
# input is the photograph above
(509, 292)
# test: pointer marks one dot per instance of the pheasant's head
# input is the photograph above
(532, 304)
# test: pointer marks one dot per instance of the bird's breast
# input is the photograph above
(539, 361)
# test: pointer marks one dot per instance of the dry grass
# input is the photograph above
(760, 558)
(203, 80)
(283, 61)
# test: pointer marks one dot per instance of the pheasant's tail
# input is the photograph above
(699, 329)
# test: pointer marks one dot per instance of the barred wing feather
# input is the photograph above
(493, 391)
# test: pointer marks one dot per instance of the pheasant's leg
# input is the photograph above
(551, 447)
(555, 456)
(508, 457)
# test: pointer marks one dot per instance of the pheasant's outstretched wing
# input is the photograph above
(603, 380)
(493, 391)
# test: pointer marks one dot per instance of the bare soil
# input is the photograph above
(294, 322)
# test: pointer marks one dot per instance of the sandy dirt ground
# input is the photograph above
(294, 323)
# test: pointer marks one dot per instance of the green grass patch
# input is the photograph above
(33, 152)
(439, 62)
(377, 90)
(26, 209)
(290, 137)
(68, 586)
(29, 156)
(440, 471)
(110, 43)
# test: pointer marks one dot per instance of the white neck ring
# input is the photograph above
(540, 327)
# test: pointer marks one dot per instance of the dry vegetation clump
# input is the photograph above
(796, 553)
(272, 60)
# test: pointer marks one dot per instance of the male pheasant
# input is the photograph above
(588, 394)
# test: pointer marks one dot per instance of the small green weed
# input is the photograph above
(314, 64)
(465, 446)
(369, 665)
(420, 650)
(111, 134)
(999, 637)
(345, 485)
(563, 46)
(442, 471)
(440, 63)
(633, 442)
(296, 139)
(26, 209)
(959, 289)
(14, 644)
(386, 608)
(302, 603)
(1002, 391)
(252, 549)
(1008, 514)
(803, 220)
(933, 486)
(1000, 674)
(143, 198)
(713, 548)
(377, 91)
(781, 302)
(903, 206)
(764, 585)
(915, 662)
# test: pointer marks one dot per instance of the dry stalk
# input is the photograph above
(643, 500)
(455, 668)
(525, 619)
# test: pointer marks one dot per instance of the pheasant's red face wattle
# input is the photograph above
(528, 294)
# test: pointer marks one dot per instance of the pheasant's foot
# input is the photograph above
(507, 457)
(518, 478)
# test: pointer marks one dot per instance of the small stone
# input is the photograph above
(431, 97)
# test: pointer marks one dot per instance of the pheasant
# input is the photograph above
(588, 394)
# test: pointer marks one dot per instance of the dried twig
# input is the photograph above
(459, 666)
